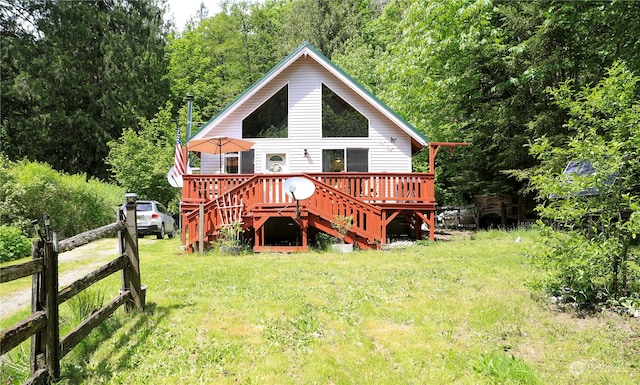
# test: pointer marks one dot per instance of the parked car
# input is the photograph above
(154, 219)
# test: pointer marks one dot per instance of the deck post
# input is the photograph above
(201, 229)
(432, 225)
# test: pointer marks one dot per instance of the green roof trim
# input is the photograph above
(326, 60)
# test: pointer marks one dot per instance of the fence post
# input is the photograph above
(37, 304)
(52, 336)
(131, 273)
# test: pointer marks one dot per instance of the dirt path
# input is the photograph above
(86, 259)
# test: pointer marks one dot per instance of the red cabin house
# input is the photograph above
(308, 119)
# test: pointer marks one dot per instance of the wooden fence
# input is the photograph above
(42, 326)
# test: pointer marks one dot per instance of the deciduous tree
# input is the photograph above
(592, 215)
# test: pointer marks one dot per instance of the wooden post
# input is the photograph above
(201, 229)
(432, 225)
(131, 273)
(52, 332)
(434, 147)
(37, 304)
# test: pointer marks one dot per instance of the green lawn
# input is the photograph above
(451, 312)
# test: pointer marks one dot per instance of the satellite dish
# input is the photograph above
(176, 181)
(299, 188)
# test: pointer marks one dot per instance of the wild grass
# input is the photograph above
(452, 312)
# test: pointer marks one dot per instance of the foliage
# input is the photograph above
(75, 74)
(323, 241)
(342, 224)
(594, 217)
(14, 244)
(499, 368)
(230, 235)
(140, 161)
(29, 190)
(477, 70)
(83, 304)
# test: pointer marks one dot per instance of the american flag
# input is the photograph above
(179, 166)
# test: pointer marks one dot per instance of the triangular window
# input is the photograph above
(271, 119)
(340, 119)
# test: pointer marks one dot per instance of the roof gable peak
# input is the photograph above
(308, 50)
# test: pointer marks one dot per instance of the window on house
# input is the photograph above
(339, 118)
(271, 119)
(332, 160)
(356, 160)
(231, 163)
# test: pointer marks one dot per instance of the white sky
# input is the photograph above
(182, 10)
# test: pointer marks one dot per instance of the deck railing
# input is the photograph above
(368, 187)
(357, 194)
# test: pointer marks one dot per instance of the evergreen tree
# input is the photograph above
(86, 71)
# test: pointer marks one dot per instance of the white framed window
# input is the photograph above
(351, 159)
(276, 163)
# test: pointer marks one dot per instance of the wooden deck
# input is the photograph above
(374, 200)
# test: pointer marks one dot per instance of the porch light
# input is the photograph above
(306, 153)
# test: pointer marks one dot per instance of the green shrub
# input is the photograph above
(13, 244)
(29, 190)
(590, 218)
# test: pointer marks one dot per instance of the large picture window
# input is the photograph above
(340, 119)
(356, 160)
(271, 119)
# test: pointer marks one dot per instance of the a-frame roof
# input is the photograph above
(418, 139)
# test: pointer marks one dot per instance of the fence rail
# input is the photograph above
(42, 326)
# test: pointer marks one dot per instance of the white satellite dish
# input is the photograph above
(299, 188)
(176, 181)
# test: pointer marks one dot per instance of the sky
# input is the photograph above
(182, 10)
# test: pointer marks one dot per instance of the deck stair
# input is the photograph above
(254, 199)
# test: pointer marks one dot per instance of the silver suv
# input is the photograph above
(154, 219)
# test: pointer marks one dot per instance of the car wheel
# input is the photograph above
(170, 235)
(160, 235)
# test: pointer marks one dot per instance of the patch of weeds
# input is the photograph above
(217, 354)
(323, 241)
(296, 333)
(629, 305)
(499, 368)
(14, 366)
(422, 242)
(84, 304)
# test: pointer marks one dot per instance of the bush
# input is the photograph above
(13, 244)
(28, 190)
(591, 217)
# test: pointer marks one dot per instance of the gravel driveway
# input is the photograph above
(92, 256)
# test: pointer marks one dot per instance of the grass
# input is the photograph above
(452, 312)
